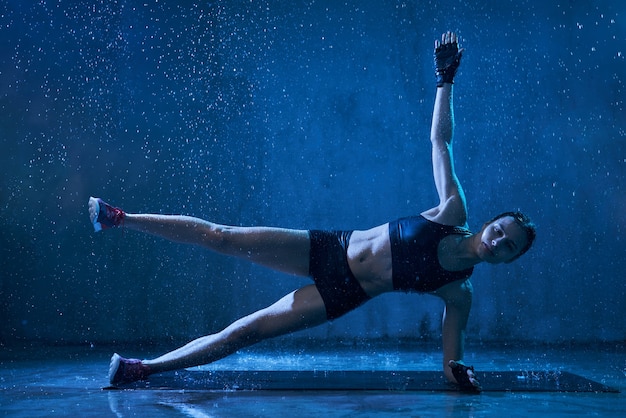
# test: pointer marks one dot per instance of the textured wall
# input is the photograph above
(306, 115)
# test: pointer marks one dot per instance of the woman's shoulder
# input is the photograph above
(449, 213)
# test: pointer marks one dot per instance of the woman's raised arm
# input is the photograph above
(452, 206)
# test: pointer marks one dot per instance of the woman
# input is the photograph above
(430, 253)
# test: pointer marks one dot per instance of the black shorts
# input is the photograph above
(328, 266)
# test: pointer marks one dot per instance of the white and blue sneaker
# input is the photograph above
(124, 370)
(103, 215)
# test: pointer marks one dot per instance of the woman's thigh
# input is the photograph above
(301, 309)
(281, 249)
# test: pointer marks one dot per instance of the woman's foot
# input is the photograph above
(123, 370)
(103, 215)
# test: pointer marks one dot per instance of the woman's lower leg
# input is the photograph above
(203, 350)
(177, 228)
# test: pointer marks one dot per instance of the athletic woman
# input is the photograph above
(433, 253)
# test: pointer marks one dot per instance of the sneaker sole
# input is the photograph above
(114, 367)
(97, 226)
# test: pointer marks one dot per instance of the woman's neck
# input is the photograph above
(457, 252)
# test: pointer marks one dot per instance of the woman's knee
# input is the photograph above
(250, 329)
(220, 238)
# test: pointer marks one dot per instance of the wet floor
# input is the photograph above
(68, 381)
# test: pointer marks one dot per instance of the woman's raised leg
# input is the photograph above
(281, 249)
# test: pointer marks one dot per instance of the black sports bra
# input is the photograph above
(414, 261)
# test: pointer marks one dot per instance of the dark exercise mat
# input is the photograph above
(498, 381)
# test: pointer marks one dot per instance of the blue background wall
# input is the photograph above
(308, 115)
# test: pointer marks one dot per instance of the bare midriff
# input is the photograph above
(369, 258)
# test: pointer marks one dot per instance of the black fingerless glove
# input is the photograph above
(460, 374)
(447, 60)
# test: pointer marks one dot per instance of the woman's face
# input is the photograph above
(501, 241)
